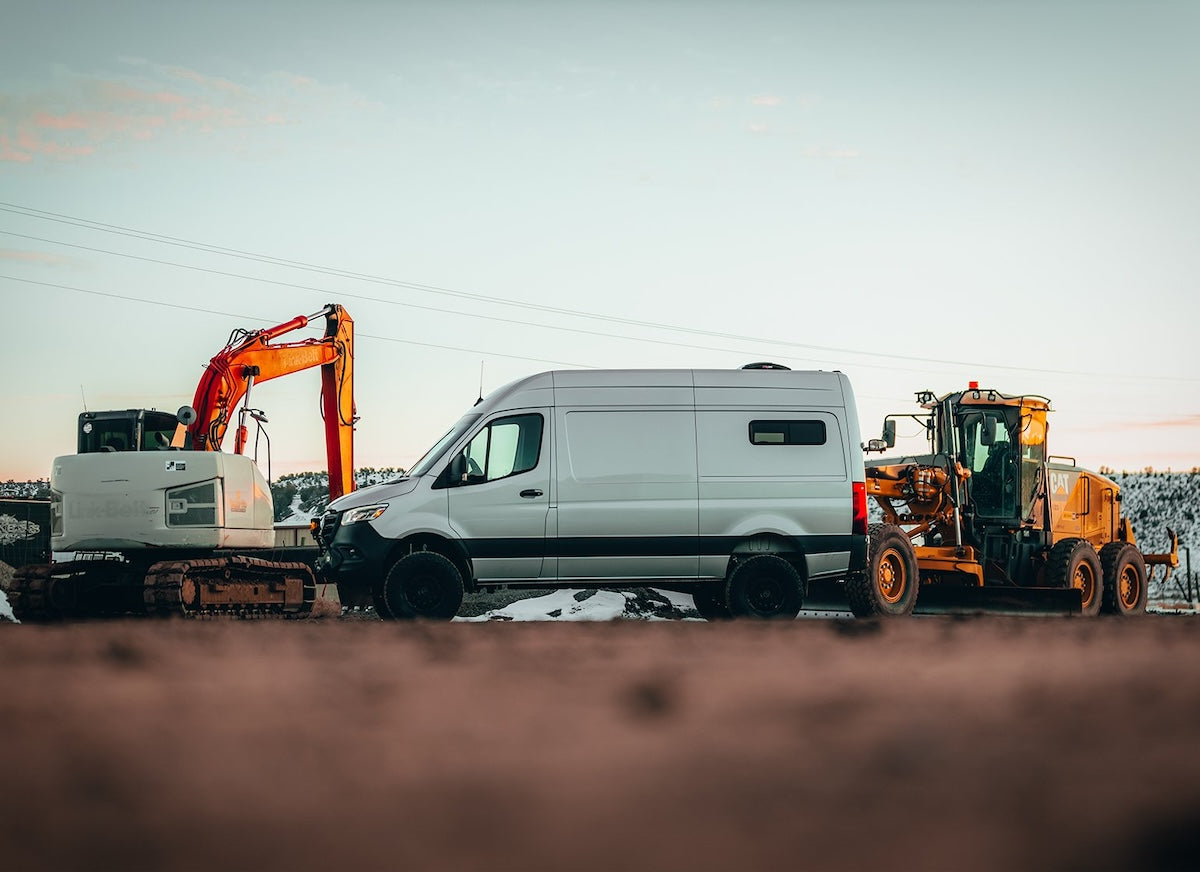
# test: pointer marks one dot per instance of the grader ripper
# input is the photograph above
(989, 521)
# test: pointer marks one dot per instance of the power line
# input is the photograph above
(472, 351)
(385, 301)
(358, 334)
(148, 236)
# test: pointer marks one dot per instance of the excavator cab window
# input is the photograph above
(157, 430)
(992, 456)
(126, 430)
(107, 431)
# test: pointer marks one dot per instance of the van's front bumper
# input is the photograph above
(353, 557)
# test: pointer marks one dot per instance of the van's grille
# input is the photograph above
(328, 528)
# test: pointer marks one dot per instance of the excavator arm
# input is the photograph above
(252, 356)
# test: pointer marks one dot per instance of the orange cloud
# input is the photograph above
(8, 153)
(90, 114)
(41, 257)
(117, 92)
(70, 121)
(214, 82)
(1182, 421)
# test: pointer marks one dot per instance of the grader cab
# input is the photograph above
(989, 521)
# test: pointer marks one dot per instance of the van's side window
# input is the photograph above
(787, 432)
(504, 447)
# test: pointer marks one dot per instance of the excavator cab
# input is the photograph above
(126, 430)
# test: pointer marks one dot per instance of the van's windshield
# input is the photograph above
(434, 454)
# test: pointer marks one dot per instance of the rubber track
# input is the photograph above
(33, 595)
(161, 591)
(27, 593)
(166, 582)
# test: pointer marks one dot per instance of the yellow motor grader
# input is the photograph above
(988, 521)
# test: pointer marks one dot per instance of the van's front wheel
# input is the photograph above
(423, 584)
(766, 586)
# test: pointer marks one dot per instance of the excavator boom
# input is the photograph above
(251, 357)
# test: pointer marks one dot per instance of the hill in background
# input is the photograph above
(300, 496)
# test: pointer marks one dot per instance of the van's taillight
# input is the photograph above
(859, 526)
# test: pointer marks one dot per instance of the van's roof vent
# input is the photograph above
(765, 364)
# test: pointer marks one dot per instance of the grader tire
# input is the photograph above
(888, 587)
(1124, 574)
(1074, 563)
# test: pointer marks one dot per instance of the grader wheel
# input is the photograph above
(1074, 563)
(1124, 574)
(890, 583)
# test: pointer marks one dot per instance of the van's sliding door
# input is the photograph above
(627, 498)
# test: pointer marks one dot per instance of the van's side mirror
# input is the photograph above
(889, 432)
(458, 469)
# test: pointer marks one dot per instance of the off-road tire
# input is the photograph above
(889, 585)
(711, 602)
(423, 584)
(1074, 563)
(1124, 574)
(379, 599)
(766, 587)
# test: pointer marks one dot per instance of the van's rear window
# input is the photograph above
(787, 432)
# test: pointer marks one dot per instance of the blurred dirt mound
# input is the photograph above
(988, 744)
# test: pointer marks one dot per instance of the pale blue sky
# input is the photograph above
(918, 194)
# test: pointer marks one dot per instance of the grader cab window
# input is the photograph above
(992, 456)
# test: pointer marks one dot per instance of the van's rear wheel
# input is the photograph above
(710, 601)
(891, 580)
(423, 584)
(767, 587)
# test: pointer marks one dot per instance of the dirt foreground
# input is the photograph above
(931, 743)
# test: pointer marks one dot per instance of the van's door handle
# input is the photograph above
(531, 493)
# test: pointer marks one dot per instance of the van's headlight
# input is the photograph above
(365, 513)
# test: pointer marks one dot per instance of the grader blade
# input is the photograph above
(940, 599)
(962, 600)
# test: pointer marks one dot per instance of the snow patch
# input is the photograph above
(561, 605)
(6, 612)
(573, 604)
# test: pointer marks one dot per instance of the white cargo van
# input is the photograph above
(738, 486)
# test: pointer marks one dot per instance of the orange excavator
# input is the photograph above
(160, 521)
